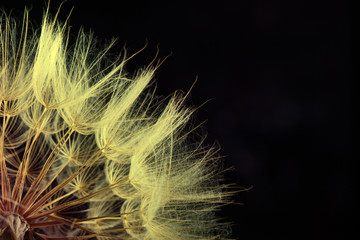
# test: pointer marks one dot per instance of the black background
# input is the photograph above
(278, 74)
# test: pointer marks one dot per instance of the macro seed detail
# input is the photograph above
(89, 152)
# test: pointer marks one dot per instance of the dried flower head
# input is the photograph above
(88, 152)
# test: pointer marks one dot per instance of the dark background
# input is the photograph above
(279, 76)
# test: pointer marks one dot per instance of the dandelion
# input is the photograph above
(88, 152)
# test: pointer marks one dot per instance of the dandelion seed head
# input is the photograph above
(87, 151)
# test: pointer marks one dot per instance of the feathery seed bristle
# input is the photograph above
(86, 152)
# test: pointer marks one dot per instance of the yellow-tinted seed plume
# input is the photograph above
(87, 151)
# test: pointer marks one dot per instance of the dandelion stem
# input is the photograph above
(44, 170)
(20, 178)
(5, 180)
(38, 205)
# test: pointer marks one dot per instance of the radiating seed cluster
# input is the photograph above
(89, 152)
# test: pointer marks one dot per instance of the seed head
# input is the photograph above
(88, 152)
